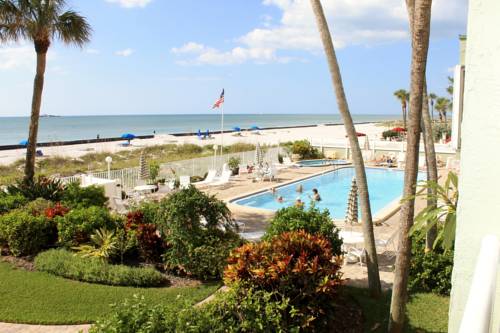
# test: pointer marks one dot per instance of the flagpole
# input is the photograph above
(222, 128)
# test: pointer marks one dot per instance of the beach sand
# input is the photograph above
(272, 136)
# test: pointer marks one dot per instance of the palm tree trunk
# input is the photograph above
(29, 170)
(404, 116)
(369, 238)
(430, 158)
(420, 45)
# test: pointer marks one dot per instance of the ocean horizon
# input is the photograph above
(66, 128)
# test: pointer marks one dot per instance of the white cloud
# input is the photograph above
(353, 22)
(14, 57)
(92, 51)
(131, 3)
(124, 53)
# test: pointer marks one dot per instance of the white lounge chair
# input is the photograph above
(184, 182)
(386, 244)
(223, 179)
(209, 179)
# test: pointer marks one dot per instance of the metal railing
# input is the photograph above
(129, 178)
(478, 311)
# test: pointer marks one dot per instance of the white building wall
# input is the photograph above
(479, 203)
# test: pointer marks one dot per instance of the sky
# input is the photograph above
(175, 56)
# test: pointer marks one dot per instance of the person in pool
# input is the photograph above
(299, 188)
(280, 199)
(299, 203)
(316, 196)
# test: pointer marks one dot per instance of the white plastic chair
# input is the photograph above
(209, 179)
(385, 244)
(223, 179)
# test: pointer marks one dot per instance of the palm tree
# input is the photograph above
(432, 99)
(420, 17)
(371, 257)
(442, 105)
(403, 97)
(41, 22)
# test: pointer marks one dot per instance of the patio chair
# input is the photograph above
(270, 174)
(386, 244)
(184, 182)
(359, 254)
(209, 179)
(223, 179)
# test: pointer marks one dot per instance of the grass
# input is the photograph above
(122, 159)
(40, 298)
(426, 313)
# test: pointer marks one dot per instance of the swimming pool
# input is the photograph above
(384, 185)
(320, 163)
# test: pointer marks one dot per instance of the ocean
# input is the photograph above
(65, 128)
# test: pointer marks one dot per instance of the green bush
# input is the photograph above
(66, 264)
(76, 196)
(312, 220)
(431, 271)
(295, 265)
(305, 150)
(38, 206)
(76, 226)
(26, 234)
(237, 310)
(42, 187)
(390, 134)
(11, 201)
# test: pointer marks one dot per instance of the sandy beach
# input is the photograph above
(320, 133)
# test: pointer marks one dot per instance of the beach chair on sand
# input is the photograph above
(184, 182)
(209, 179)
(223, 179)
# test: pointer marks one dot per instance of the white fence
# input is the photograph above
(478, 312)
(128, 178)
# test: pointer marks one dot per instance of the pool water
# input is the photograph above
(384, 186)
(317, 163)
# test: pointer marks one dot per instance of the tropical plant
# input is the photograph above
(154, 171)
(403, 96)
(42, 187)
(234, 163)
(432, 100)
(149, 242)
(56, 210)
(296, 265)
(357, 157)
(83, 197)
(311, 220)
(305, 150)
(419, 17)
(446, 196)
(63, 263)
(11, 201)
(40, 21)
(103, 245)
(442, 105)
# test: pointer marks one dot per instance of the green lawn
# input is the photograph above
(40, 298)
(427, 313)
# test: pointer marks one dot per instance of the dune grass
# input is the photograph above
(40, 298)
(426, 313)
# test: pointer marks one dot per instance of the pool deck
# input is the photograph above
(257, 219)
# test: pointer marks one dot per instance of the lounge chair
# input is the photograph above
(184, 182)
(385, 244)
(209, 179)
(223, 179)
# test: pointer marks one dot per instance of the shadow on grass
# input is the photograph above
(426, 313)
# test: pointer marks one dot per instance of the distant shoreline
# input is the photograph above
(181, 134)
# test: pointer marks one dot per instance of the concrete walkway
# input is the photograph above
(22, 328)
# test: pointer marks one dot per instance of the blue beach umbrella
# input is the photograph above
(128, 136)
(254, 128)
(23, 143)
(236, 129)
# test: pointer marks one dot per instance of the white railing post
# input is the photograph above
(479, 308)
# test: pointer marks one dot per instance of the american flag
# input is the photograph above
(220, 101)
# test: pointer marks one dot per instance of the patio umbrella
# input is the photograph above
(128, 137)
(254, 128)
(144, 172)
(259, 158)
(352, 204)
(236, 129)
(398, 129)
(358, 134)
(23, 143)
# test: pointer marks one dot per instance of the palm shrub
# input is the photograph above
(103, 245)
(295, 265)
(25, 234)
(63, 263)
(312, 220)
(75, 227)
(42, 187)
(76, 196)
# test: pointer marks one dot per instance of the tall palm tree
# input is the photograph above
(40, 22)
(432, 99)
(371, 257)
(420, 17)
(442, 105)
(403, 96)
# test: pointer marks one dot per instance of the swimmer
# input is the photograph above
(316, 196)
(299, 188)
(299, 203)
(280, 199)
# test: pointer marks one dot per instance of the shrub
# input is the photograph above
(390, 134)
(237, 310)
(234, 163)
(11, 201)
(82, 197)
(305, 150)
(42, 187)
(311, 220)
(103, 245)
(38, 206)
(296, 265)
(56, 210)
(431, 271)
(154, 170)
(26, 234)
(76, 226)
(149, 242)
(66, 264)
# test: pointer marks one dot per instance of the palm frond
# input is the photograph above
(72, 28)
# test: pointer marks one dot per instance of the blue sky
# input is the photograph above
(165, 57)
